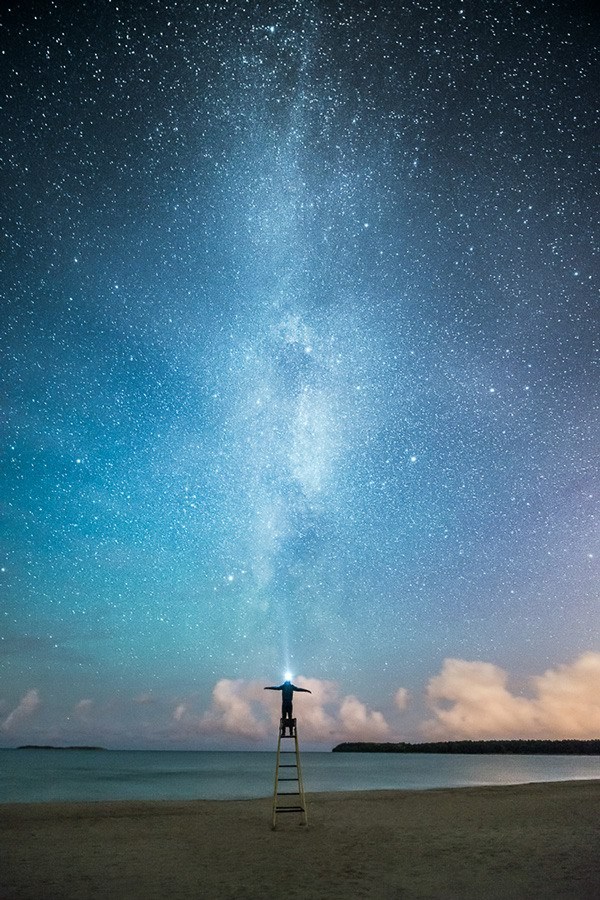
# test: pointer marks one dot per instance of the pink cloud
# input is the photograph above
(179, 712)
(472, 700)
(401, 699)
(231, 711)
(359, 723)
(244, 709)
(28, 704)
(83, 707)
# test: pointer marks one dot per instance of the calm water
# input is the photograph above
(38, 775)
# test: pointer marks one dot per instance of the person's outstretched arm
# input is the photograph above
(273, 688)
(303, 690)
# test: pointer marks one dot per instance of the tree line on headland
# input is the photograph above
(52, 747)
(559, 748)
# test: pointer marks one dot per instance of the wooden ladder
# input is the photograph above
(292, 776)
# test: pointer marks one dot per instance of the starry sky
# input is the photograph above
(299, 367)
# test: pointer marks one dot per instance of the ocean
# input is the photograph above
(31, 776)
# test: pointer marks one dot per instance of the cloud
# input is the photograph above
(245, 709)
(237, 712)
(83, 707)
(27, 706)
(145, 699)
(472, 700)
(315, 719)
(231, 711)
(401, 698)
(179, 712)
(361, 724)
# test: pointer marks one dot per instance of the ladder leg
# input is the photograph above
(300, 781)
(274, 816)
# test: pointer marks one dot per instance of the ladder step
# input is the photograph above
(288, 766)
(288, 793)
(289, 809)
(287, 779)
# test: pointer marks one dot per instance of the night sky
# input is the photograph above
(299, 367)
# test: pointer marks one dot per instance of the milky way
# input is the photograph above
(299, 345)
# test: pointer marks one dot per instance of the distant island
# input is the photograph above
(558, 748)
(50, 747)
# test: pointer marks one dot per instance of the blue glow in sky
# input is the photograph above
(299, 349)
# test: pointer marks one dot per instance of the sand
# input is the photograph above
(525, 841)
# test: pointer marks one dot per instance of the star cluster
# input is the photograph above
(299, 341)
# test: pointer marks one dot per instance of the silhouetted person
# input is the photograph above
(287, 692)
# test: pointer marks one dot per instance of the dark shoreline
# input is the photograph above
(529, 747)
(52, 747)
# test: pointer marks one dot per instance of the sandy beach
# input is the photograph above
(525, 841)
